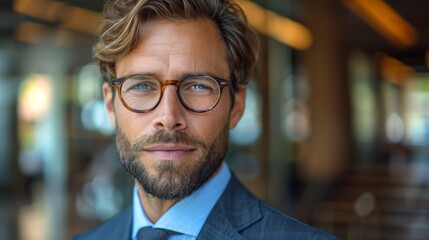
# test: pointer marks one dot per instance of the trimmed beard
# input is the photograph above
(172, 179)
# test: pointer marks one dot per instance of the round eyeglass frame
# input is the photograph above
(118, 83)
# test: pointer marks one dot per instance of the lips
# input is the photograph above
(169, 151)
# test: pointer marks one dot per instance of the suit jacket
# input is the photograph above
(237, 215)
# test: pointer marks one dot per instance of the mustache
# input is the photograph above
(168, 137)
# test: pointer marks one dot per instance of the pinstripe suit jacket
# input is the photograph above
(237, 215)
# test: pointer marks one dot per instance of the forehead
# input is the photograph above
(173, 47)
(183, 29)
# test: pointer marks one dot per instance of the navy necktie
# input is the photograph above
(149, 233)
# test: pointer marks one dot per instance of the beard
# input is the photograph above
(172, 179)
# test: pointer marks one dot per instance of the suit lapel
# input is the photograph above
(235, 211)
(220, 229)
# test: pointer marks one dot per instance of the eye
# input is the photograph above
(199, 84)
(140, 86)
(199, 87)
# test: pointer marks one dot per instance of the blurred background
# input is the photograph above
(336, 129)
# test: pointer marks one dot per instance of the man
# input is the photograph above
(175, 74)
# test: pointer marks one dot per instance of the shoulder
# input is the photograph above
(275, 224)
(256, 219)
(118, 227)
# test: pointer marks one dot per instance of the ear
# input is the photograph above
(108, 102)
(238, 107)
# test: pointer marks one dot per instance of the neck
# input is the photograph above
(154, 207)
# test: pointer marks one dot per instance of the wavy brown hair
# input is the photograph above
(123, 20)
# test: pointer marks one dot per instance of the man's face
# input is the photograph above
(170, 150)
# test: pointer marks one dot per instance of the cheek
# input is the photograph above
(130, 123)
(208, 125)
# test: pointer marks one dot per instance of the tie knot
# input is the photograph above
(150, 233)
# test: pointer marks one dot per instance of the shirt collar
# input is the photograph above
(189, 214)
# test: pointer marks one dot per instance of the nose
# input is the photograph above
(170, 114)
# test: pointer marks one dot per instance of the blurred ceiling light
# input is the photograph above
(280, 28)
(30, 32)
(74, 18)
(44, 9)
(82, 20)
(385, 20)
(392, 69)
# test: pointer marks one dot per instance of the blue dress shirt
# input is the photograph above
(189, 214)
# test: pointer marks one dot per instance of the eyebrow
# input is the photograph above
(180, 76)
(149, 74)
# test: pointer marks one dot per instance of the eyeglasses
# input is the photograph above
(141, 94)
